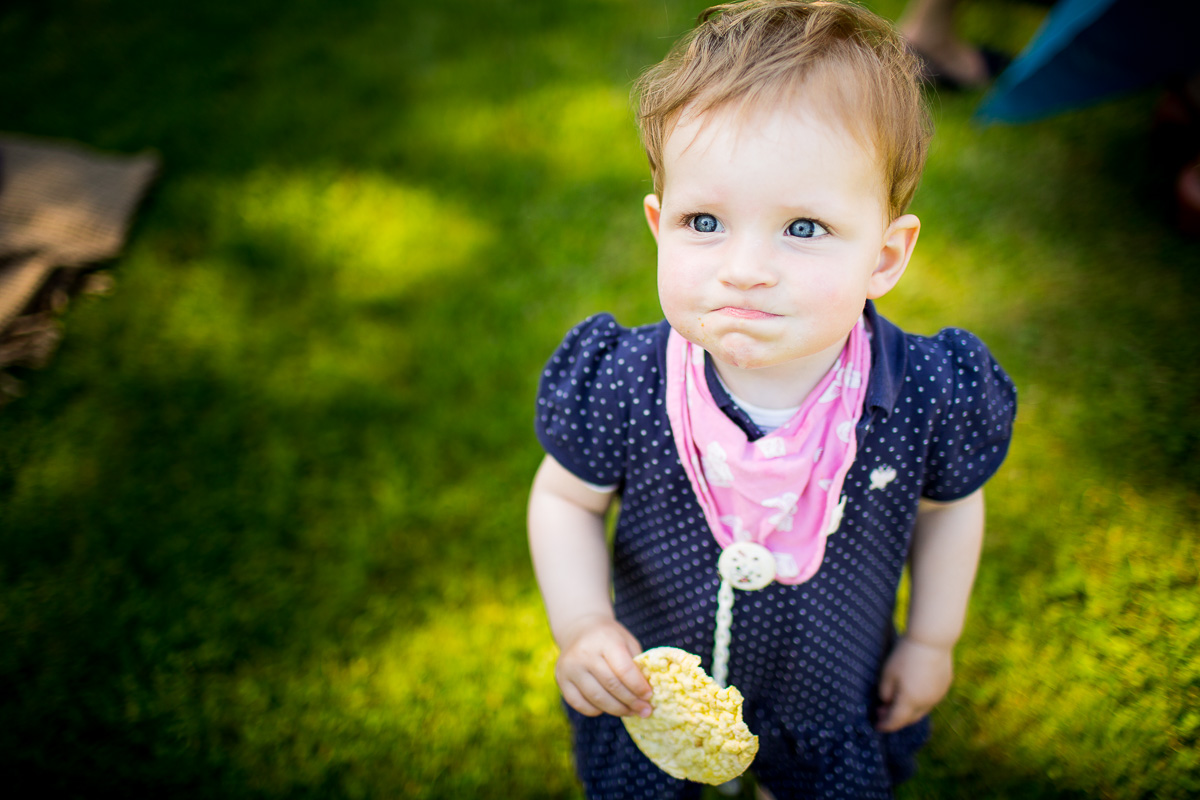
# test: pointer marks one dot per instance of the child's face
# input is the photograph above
(772, 234)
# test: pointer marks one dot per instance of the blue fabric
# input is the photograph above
(1089, 50)
(938, 417)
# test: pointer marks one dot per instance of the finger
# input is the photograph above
(579, 689)
(577, 701)
(630, 675)
(901, 714)
(887, 721)
(635, 647)
(892, 708)
(596, 692)
(614, 683)
(887, 689)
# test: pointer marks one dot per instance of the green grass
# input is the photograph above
(261, 522)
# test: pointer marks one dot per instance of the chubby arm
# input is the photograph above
(595, 669)
(945, 554)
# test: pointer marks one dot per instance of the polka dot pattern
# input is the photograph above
(937, 423)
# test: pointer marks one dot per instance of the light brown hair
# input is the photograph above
(762, 51)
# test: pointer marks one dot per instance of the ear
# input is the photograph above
(898, 242)
(653, 208)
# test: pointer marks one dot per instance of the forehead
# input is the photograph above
(769, 119)
(763, 143)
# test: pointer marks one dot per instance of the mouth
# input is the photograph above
(745, 313)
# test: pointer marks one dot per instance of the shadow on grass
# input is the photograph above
(229, 87)
(215, 534)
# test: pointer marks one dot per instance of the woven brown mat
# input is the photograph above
(63, 207)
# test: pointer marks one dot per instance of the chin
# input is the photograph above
(745, 355)
(752, 363)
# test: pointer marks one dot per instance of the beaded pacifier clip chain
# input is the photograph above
(745, 566)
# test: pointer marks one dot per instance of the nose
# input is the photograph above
(747, 264)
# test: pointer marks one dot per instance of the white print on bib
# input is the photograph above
(771, 447)
(836, 521)
(736, 527)
(716, 466)
(785, 566)
(785, 509)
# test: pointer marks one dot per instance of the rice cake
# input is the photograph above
(696, 731)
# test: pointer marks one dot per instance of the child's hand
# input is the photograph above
(596, 673)
(915, 677)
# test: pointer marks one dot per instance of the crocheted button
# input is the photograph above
(747, 566)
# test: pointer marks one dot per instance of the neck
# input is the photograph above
(783, 385)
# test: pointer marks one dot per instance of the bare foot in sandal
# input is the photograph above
(928, 27)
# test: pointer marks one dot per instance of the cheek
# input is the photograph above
(682, 308)
(839, 283)
(676, 285)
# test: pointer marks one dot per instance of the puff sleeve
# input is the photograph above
(581, 409)
(971, 438)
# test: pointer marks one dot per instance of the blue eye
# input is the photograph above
(806, 229)
(704, 223)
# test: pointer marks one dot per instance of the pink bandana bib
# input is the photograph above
(781, 491)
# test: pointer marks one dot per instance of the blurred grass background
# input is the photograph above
(262, 521)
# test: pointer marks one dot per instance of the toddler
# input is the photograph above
(773, 422)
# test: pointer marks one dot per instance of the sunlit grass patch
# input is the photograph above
(571, 132)
(462, 705)
(309, 278)
(372, 235)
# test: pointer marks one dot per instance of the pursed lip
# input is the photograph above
(745, 313)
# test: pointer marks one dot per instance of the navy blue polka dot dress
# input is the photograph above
(936, 424)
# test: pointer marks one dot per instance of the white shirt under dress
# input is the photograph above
(937, 424)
